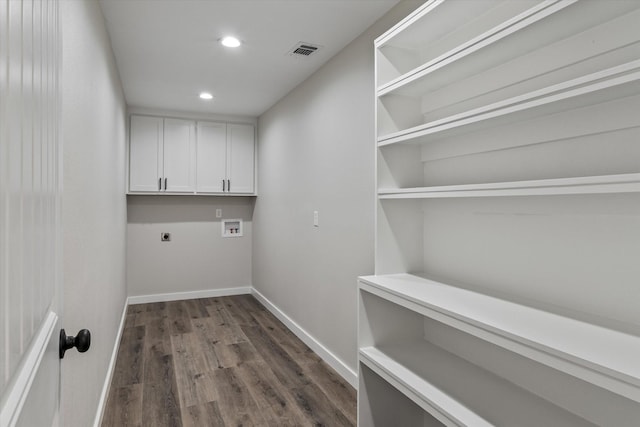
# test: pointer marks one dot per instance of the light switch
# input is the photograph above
(315, 218)
(218, 213)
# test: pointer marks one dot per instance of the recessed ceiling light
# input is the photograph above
(206, 95)
(230, 41)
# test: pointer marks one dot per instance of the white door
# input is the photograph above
(145, 154)
(240, 154)
(212, 157)
(179, 156)
(30, 230)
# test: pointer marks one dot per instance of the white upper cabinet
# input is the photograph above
(179, 156)
(185, 156)
(145, 155)
(226, 158)
(240, 158)
(212, 157)
(162, 155)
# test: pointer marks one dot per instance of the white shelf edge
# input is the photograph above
(603, 184)
(477, 43)
(431, 399)
(406, 22)
(605, 79)
(150, 193)
(553, 340)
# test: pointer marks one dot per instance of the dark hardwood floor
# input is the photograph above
(220, 362)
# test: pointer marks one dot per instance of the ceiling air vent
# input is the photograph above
(303, 50)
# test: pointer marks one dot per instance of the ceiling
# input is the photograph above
(167, 51)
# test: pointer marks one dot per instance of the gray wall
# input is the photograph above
(317, 154)
(94, 205)
(197, 258)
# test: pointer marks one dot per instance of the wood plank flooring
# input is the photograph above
(220, 362)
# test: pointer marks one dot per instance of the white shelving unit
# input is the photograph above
(599, 355)
(608, 184)
(508, 168)
(592, 89)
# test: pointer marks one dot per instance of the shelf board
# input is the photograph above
(604, 184)
(409, 21)
(601, 356)
(475, 44)
(586, 90)
(454, 391)
(430, 398)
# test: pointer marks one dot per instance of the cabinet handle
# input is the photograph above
(159, 184)
(228, 185)
(223, 186)
(165, 184)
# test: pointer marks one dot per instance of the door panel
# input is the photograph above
(38, 380)
(30, 193)
(179, 155)
(212, 152)
(240, 171)
(145, 154)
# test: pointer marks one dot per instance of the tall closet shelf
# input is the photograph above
(482, 41)
(595, 354)
(420, 371)
(591, 89)
(604, 184)
(468, 82)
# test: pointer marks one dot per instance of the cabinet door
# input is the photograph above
(212, 154)
(179, 156)
(145, 154)
(240, 155)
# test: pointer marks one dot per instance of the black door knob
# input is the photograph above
(81, 342)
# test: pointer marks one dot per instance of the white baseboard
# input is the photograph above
(331, 359)
(177, 296)
(112, 364)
